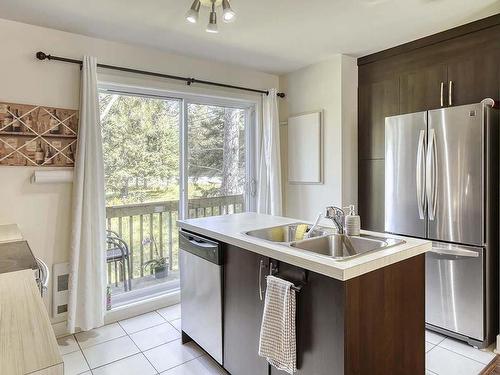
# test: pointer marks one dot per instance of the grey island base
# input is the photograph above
(370, 323)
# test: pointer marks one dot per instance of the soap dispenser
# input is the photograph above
(352, 222)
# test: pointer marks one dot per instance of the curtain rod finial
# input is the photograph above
(41, 55)
(278, 94)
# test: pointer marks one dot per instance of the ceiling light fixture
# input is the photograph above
(228, 14)
(193, 12)
(212, 22)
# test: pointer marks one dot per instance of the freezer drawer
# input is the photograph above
(454, 289)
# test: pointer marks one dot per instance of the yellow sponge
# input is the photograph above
(277, 234)
(300, 232)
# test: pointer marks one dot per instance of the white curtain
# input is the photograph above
(269, 161)
(87, 283)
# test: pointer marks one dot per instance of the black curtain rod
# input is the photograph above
(43, 56)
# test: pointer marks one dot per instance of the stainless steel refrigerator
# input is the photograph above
(441, 183)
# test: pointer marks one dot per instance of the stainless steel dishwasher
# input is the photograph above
(200, 263)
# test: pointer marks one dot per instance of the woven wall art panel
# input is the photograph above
(37, 135)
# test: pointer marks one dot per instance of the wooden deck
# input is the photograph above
(143, 288)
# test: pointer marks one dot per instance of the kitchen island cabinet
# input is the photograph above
(372, 324)
(364, 315)
(242, 311)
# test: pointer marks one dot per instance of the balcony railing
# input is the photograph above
(135, 223)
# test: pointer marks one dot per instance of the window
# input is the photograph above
(164, 159)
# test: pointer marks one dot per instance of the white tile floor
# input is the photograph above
(446, 356)
(145, 345)
(150, 344)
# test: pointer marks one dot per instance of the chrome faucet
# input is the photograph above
(313, 228)
(337, 215)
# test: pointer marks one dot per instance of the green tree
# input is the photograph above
(140, 145)
(141, 149)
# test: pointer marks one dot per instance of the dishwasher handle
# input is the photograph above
(201, 246)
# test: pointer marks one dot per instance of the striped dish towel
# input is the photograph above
(277, 332)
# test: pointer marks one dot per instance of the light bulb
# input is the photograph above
(193, 12)
(228, 15)
(212, 22)
(212, 28)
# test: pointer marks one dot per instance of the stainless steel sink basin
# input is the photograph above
(341, 247)
(287, 233)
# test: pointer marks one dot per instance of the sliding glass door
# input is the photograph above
(141, 150)
(167, 158)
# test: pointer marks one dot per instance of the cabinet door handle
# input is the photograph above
(450, 93)
(261, 265)
(442, 93)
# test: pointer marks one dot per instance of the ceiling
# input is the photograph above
(275, 36)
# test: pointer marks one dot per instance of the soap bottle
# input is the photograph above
(352, 222)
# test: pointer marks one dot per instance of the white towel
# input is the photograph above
(277, 332)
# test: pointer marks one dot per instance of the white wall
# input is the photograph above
(330, 86)
(43, 211)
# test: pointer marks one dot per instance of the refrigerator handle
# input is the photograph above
(431, 174)
(488, 102)
(420, 188)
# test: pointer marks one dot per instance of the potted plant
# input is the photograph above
(159, 265)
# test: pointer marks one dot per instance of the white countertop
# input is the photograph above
(27, 341)
(230, 229)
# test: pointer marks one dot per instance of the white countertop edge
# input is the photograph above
(340, 270)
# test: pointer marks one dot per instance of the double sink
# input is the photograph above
(323, 241)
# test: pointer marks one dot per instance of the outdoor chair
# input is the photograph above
(118, 252)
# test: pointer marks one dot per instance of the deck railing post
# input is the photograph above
(170, 242)
(131, 245)
(141, 238)
(160, 225)
(151, 236)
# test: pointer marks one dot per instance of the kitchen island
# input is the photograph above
(361, 315)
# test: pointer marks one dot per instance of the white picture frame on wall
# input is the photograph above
(305, 148)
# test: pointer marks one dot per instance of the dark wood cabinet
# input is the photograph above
(371, 194)
(420, 90)
(335, 335)
(319, 316)
(243, 311)
(474, 78)
(407, 79)
(385, 319)
(376, 101)
(319, 321)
